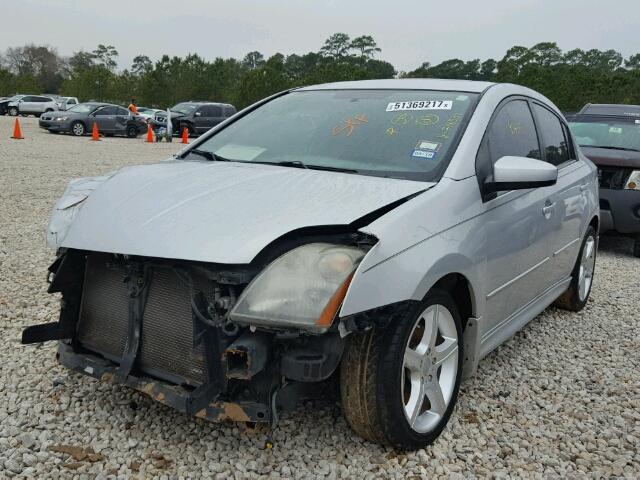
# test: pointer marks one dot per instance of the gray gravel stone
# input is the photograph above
(560, 399)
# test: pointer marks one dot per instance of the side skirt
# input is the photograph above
(508, 328)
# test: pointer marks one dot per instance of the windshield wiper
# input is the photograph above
(308, 166)
(612, 148)
(209, 155)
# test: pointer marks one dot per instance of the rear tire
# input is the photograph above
(575, 297)
(78, 129)
(399, 384)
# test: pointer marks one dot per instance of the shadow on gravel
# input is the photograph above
(616, 244)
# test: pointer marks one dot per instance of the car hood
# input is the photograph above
(612, 158)
(214, 211)
(58, 113)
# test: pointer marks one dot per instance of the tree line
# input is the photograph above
(570, 79)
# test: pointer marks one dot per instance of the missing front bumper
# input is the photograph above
(180, 398)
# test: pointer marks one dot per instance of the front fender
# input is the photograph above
(69, 204)
(412, 273)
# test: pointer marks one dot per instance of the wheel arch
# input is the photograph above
(460, 289)
(595, 223)
(78, 120)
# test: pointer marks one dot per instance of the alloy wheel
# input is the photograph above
(587, 265)
(430, 368)
(78, 129)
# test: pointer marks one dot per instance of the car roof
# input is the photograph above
(470, 86)
(610, 109)
(207, 102)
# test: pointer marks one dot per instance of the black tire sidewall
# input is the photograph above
(391, 414)
(132, 131)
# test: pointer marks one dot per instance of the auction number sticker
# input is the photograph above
(420, 105)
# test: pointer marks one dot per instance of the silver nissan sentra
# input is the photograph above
(385, 235)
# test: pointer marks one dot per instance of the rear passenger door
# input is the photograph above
(569, 201)
(122, 117)
(517, 236)
(27, 104)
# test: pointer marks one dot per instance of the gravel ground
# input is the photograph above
(561, 399)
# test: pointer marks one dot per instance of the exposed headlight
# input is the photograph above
(60, 119)
(303, 288)
(633, 183)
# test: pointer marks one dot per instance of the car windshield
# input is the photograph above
(614, 133)
(83, 108)
(184, 108)
(15, 98)
(407, 134)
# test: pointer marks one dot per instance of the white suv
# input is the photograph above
(32, 105)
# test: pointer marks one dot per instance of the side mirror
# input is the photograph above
(519, 173)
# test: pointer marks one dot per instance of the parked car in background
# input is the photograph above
(4, 103)
(383, 234)
(197, 117)
(79, 119)
(32, 105)
(64, 103)
(610, 136)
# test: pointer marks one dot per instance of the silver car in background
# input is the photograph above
(382, 234)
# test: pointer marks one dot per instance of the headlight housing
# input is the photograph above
(301, 289)
(60, 119)
(633, 182)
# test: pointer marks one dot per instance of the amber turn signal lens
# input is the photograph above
(329, 312)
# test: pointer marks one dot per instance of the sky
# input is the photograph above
(409, 32)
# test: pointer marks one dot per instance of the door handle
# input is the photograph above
(584, 187)
(548, 208)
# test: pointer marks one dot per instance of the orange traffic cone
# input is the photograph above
(149, 134)
(17, 133)
(95, 136)
(185, 135)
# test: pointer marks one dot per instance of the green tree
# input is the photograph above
(253, 60)
(366, 45)
(336, 46)
(105, 55)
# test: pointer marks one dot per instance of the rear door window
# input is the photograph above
(553, 136)
(107, 111)
(214, 111)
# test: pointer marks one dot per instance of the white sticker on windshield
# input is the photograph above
(637, 121)
(420, 105)
(617, 130)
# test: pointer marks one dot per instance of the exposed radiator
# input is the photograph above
(166, 343)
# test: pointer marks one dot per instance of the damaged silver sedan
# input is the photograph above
(385, 235)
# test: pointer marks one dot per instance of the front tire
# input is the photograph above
(576, 296)
(13, 111)
(636, 247)
(78, 129)
(399, 384)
